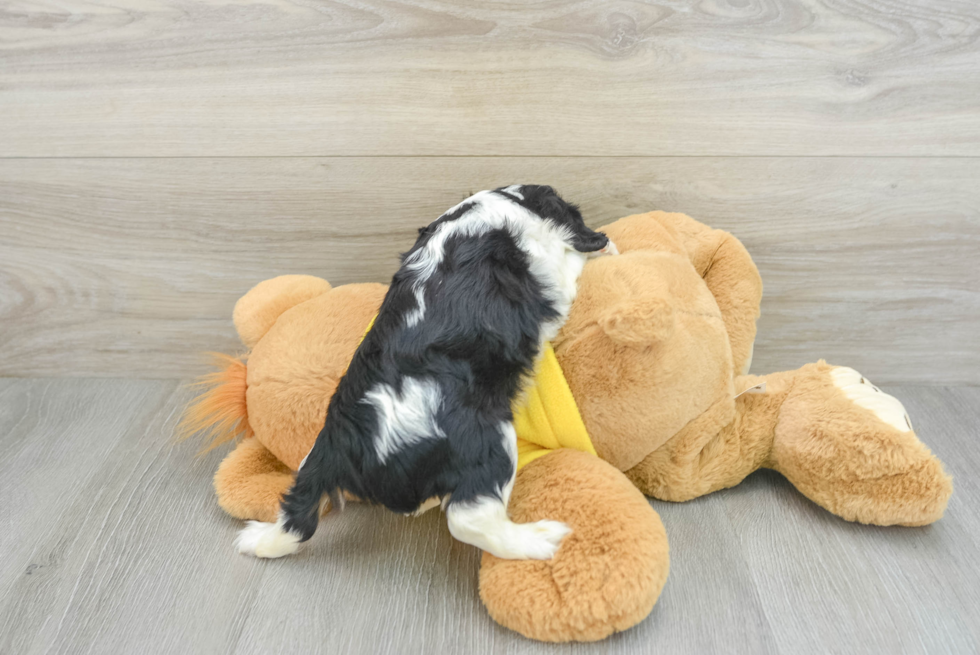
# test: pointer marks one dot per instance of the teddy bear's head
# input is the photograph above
(645, 350)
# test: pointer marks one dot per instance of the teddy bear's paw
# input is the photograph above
(251, 481)
(862, 393)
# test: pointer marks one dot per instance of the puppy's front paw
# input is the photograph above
(540, 540)
(610, 249)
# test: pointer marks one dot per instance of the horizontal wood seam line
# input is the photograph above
(153, 157)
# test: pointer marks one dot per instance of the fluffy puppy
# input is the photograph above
(424, 411)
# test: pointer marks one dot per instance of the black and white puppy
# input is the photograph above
(424, 411)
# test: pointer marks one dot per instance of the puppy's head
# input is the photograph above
(546, 203)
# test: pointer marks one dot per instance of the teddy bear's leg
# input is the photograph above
(609, 571)
(842, 442)
(850, 448)
(719, 448)
(250, 482)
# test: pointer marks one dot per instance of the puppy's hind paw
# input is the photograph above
(266, 540)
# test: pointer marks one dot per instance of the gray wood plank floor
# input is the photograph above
(112, 543)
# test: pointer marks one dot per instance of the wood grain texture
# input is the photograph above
(112, 543)
(159, 158)
(427, 77)
(131, 267)
(855, 588)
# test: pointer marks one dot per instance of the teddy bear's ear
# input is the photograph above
(638, 323)
(257, 310)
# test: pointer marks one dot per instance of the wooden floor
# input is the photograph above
(160, 157)
(112, 543)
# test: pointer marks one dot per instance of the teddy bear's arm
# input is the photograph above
(731, 276)
(607, 574)
(736, 285)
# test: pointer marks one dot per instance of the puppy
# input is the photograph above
(424, 411)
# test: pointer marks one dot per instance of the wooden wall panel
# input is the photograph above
(131, 267)
(429, 77)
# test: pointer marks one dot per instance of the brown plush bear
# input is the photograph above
(655, 354)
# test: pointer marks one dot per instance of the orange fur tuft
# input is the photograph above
(220, 412)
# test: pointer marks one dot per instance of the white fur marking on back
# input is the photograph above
(413, 317)
(267, 540)
(555, 265)
(407, 418)
(862, 393)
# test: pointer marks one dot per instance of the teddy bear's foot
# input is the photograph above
(850, 448)
(609, 570)
(251, 481)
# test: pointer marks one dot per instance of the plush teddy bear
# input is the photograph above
(645, 392)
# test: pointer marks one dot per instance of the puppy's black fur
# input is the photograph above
(478, 339)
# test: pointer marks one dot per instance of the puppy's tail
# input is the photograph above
(299, 512)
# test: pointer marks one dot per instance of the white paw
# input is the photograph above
(267, 540)
(862, 393)
(540, 540)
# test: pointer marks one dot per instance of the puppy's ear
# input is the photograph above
(587, 240)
